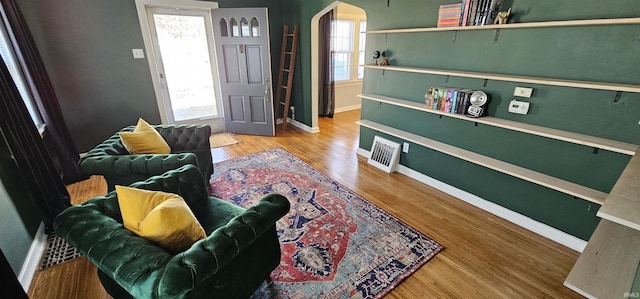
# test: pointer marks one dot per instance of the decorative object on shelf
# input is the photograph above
(376, 56)
(428, 97)
(502, 17)
(478, 102)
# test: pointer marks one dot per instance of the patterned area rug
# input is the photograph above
(335, 244)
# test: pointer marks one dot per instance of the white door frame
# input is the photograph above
(141, 7)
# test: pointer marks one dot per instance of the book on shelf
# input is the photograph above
(480, 12)
(468, 13)
(465, 12)
(464, 101)
(450, 15)
(450, 100)
(473, 8)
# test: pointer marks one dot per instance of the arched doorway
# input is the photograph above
(345, 12)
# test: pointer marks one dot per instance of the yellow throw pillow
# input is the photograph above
(161, 217)
(144, 140)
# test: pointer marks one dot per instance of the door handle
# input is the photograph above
(241, 48)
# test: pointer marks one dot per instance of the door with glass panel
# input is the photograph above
(244, 65)
(184, 58)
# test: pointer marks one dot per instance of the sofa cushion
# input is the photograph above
(144, 140)
(161, 217)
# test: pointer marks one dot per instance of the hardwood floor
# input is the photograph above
(485, 256)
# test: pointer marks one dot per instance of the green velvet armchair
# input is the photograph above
(189, 145)
(239, 253)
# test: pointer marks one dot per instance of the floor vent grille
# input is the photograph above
(385, 154)
(58, 251)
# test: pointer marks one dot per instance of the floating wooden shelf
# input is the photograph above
(601, 143)
(623, 203)
(570, 188)
(593, 22)
(607, 266)
(510, 78)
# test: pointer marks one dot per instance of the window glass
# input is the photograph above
(361, 44)
(245, 27)
(235, 30)
(223, 27)
(9, 58)
(255, 27)
(342, 47)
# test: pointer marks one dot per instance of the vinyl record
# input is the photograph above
(478, 98)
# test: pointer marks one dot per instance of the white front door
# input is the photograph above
(180, 49)
(244, 64)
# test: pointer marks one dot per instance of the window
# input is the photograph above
(346, 36)
(361, 42)
(9, 58)
(342, 46)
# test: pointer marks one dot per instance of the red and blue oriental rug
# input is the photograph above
(335, 244)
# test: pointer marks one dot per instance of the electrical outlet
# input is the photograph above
(405, 147)
(137, 53)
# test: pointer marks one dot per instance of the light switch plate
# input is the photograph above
(524, 92)
(137, 53)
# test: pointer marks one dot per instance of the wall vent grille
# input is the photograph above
(385, 154)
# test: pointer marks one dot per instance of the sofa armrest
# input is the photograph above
(123, 165)
(206, 257)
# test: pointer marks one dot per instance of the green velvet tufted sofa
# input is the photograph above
(189, 145)
(239, 253)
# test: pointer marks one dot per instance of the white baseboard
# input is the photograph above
(347, 108)
(34, 255)
(299, 125)
(539, 228)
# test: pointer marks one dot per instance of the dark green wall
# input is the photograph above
(300, 12)
(19, 218)
(86, 47)
(591, 53)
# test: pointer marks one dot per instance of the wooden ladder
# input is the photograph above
(287, 65)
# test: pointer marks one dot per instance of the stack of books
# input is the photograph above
(450, 15)
(480, 12)
(450, 100)
(469, 13)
